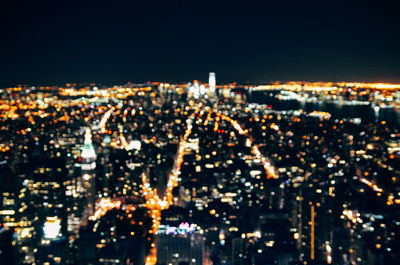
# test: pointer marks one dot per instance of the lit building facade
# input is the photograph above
(182, 244)
(88, 166)
(211, 83)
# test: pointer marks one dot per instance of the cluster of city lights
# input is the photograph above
(352, 215)
(320, 86)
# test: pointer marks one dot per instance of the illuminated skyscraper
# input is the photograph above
(180, 245)
(211, 83)
(88, 156)
(195, 89)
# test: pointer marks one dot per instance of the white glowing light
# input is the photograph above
(52, 227)
(86, 177)
(211, 82)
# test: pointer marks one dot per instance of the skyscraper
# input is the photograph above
(211, 83)
(180, 245)
(88, 156)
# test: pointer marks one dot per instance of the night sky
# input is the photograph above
(112, 42)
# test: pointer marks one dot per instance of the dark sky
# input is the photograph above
(115, 41)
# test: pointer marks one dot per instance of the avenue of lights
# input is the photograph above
(269, 169)
(104, 205)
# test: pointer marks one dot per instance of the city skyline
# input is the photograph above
(161, 173)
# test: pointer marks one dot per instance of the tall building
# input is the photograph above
(196, 89)
(211, 83)
(180, 245)
(8, 253)
(43, 223)
(88, 156)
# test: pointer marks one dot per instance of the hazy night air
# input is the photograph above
(53, 42)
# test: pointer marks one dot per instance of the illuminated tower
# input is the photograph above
(88, 166)
(196, 89)
(211, 83)
(88, 155)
